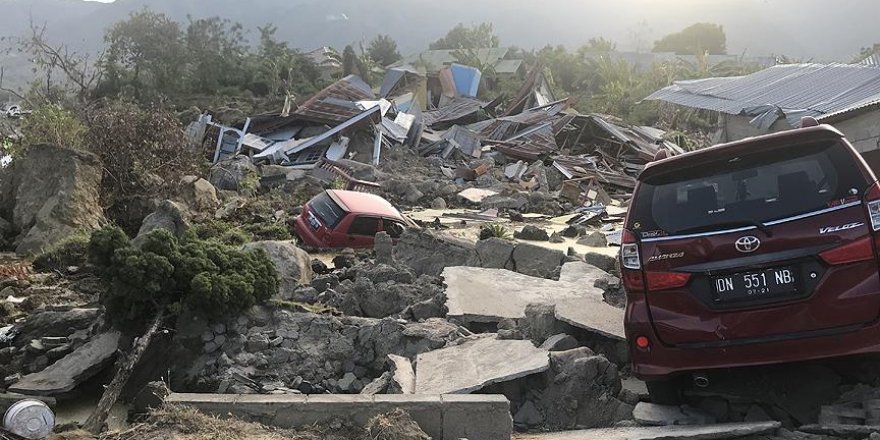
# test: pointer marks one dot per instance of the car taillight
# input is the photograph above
(859, 250)
(872, 200)
(666, 280)
(629, 251)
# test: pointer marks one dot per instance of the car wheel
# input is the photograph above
(665, 392)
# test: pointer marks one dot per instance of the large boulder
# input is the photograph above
(171, 216)
(428, 253)
(496, 253)
(536, 261)
(198, 194)
(293, 264)
(55, 194)
(235, 174)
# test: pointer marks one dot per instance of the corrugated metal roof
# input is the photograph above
(508, 66)
(797, 89)
(872, 60)
(336, 103)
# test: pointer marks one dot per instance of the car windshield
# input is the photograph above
(327, 210)
(747, 190)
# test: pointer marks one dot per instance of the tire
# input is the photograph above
(665, 392)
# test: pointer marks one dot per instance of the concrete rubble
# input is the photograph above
(491, 295)
(473, 365)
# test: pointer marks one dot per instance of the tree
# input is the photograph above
(164, 276)
(280, 69)
(52, 124)
(463, 37)
(695, 39)
(349, 61)
(216, 55)
(597, 45)
(146, 54)
(383, 50)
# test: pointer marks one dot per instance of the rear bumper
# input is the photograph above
(306, 233)
(664, 361)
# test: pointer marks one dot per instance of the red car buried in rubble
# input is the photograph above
(348, 219)
(761, 251)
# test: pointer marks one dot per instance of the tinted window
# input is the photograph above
(327, 210)
(758, 187)
(364, 226)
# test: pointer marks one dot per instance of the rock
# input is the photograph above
(54, 194)
(412, 194)
(757, 414)
(318, 267)
(404, 377)
(235, 174)
(55, 323)
(384, 247)
(473, 365)
(581, 389)
(533, 233)
(378, 385)
(539, 321)
(602, 261)
(556, 238)
(664, 415)
(438, 203)
(560, 342)
(198, 194)
(73, 369)
(385, 290)
(170, 216)
(258, 343)
(596, 239)
(346, 384)
(496, 253)
(397, 425)
(345, 259)
(490, 295)
(427, 252)
(307, 295)
(572, 231)
(476, 195)
(537, 261)
(293, 264)
(528, 415)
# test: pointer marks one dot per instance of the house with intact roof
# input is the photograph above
(775, 99)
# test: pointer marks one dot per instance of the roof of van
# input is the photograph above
(757, 143)
(364, 203)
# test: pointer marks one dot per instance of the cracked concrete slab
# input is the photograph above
(71, 370)
(403, 374)
(706, 432)
(475, 364)
(489, 295)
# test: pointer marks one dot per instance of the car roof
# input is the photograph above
(747, 145)
(364, 203)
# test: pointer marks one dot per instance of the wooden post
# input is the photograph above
(95, 422)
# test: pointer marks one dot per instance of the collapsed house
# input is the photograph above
(597, 155)
(775, 99)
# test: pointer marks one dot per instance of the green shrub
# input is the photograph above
(72, 251)
(51, 124)
(269, 231)
(205, 277)
(497, 231)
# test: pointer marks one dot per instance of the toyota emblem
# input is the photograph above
(748, 244)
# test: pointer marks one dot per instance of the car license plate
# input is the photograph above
(313, 222)
(755, 285)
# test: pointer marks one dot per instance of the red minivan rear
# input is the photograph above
(757, 252)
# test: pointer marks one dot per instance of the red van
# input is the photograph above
(347, 219)
(755, 252)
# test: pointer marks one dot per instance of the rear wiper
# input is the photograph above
(732, 224)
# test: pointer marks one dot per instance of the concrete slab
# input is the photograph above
(71, 370)
(705, 432)
(404, 374)
(476, 195)
(662, 415)
(475, 364)
(441, 417)
(489, 295)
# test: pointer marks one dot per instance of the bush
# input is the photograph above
(73, 251)
(51, 124)
(269, 231)
(221, 231)
(205, 277)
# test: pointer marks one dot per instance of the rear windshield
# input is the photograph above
(758, 187)
(327, 210)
